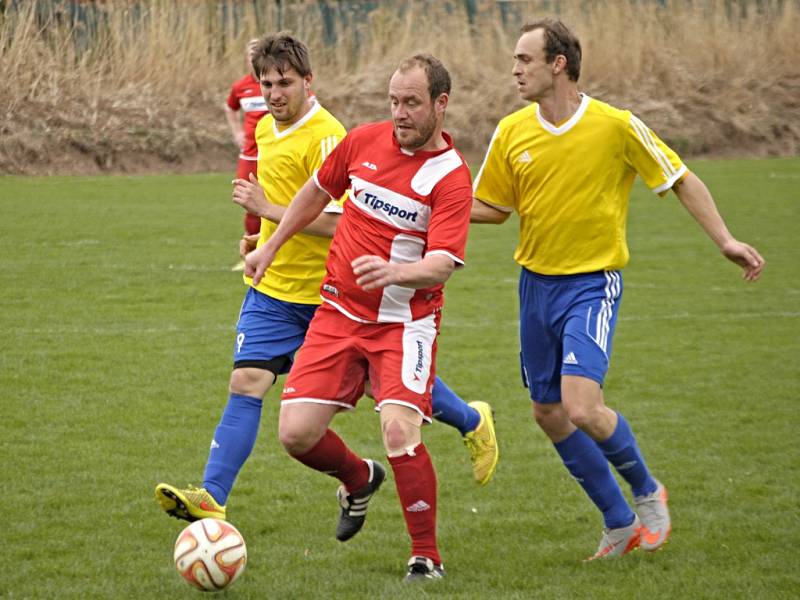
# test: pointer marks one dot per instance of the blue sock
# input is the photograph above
(452, 410)
(622, 452)
(233, 441)
(590, 468)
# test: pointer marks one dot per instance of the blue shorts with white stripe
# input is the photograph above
(566, 327)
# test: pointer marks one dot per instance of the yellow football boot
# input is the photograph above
(482, 444)
(191, 504)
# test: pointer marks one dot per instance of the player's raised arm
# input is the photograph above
(697, 200)
(306, 206)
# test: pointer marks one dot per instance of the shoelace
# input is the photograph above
(475, 444)
(649, 506)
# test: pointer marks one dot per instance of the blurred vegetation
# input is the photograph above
(123, 85)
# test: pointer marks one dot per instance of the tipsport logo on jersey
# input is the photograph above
(394, 209)
(390, 209)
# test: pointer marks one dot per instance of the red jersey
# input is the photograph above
(246, 95)
(402, 206)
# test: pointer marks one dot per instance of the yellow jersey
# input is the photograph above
(286, 159)
(570, 183)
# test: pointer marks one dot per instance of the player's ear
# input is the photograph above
(307, 82)
(559, 64)
(441, 102)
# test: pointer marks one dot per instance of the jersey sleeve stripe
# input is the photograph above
(647, 140)
(671, 181)
(326, 145)
(505, 209)
(333, 207)
(485, 159)
(450, 255)
(319, 185)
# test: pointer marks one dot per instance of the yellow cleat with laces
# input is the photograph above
(191, 504)
(482, 444)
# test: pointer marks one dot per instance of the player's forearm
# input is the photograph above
(431, 270)
(304, 209)
(697, 200)
(484, 213)
(322, 226)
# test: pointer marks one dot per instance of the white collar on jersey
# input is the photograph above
(315, 107)
(573, 120)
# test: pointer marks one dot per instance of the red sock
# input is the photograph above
(415, 479)
(332, 457)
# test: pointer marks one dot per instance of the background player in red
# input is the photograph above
(245, 98)
(402, 234)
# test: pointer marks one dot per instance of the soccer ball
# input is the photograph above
(210, 554)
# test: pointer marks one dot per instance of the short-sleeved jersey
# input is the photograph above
(246, 95)
(402, 206)
(286, 160)
(570, 184)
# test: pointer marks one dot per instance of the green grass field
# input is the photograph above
(117, 324)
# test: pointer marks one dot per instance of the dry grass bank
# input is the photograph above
(143, 90)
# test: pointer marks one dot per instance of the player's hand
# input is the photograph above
(258, 261)
(746, 257)
(248, 243)
(238, 139)
(373, 272)
(250, 196)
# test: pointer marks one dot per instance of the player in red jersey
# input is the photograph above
(245, 97)
(402, 234)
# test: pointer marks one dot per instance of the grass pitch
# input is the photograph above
(117, 323)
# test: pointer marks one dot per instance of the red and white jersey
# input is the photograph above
(246, 96)
(401, 206)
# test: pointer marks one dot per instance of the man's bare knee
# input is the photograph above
(583, 401)
(401, 429)
(395, 434)
(553, 420)
(579, 414)
(301, 426)
(250, 381)
(296, 441)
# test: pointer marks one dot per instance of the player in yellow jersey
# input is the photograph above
(566, 164)
(293, 140)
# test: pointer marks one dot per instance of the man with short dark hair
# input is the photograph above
(566, 164)
(295, 137)
(402, 234)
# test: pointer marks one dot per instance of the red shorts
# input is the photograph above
(339, 354)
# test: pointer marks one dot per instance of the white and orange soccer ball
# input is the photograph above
(210, 554)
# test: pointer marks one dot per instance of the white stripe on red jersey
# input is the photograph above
(402, 206)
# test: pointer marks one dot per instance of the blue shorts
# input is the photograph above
(270, 329)
(566, 327)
